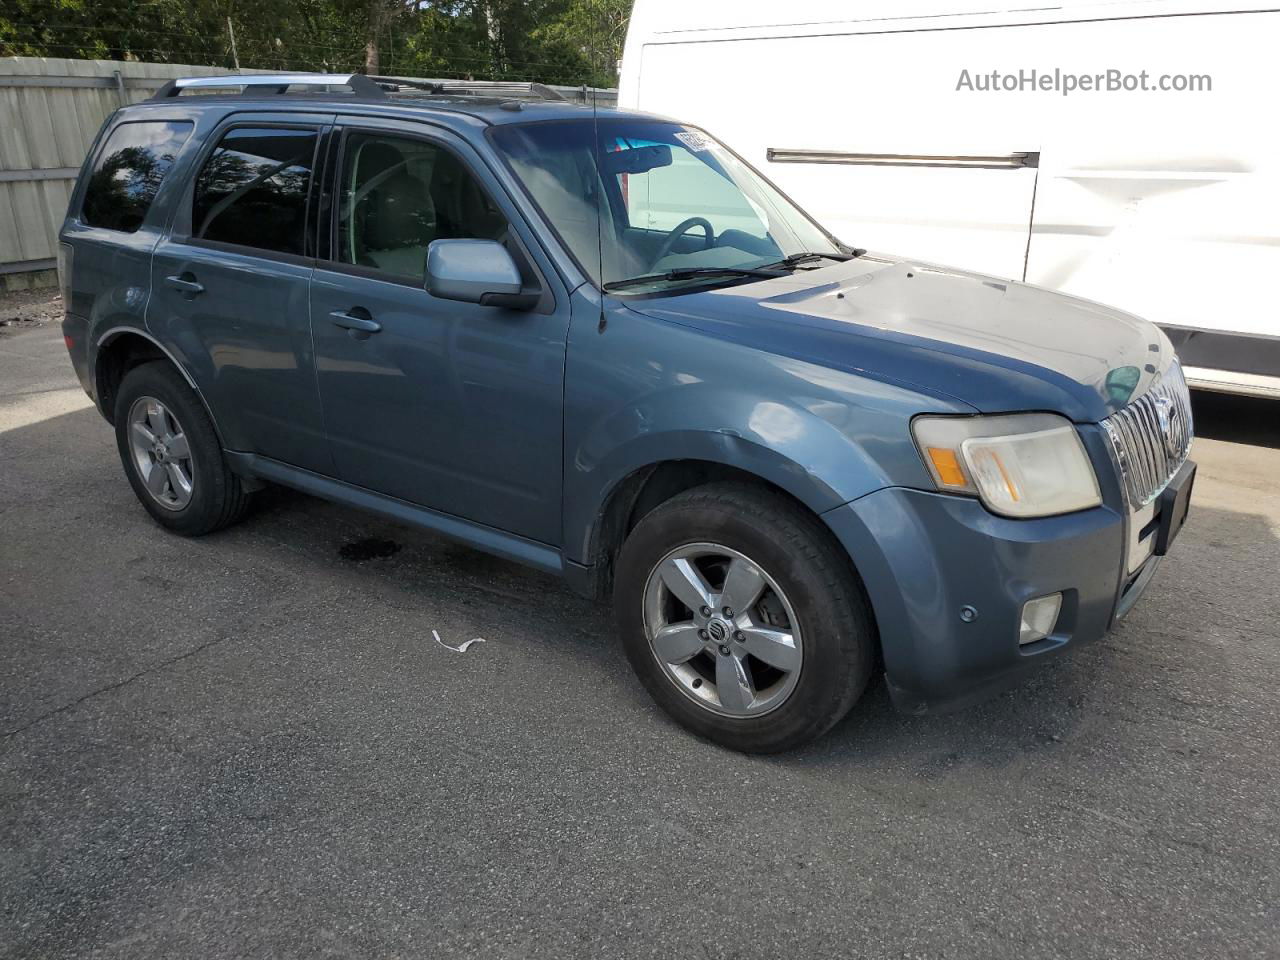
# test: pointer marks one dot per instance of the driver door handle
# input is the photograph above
(357, 320)
(186, 283)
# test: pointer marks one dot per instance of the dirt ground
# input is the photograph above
(27, 309)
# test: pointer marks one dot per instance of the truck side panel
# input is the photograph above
(1159, 202)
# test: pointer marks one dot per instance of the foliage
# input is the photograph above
(554, 41)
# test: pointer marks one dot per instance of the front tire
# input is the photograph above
(743, 617)
(171, 453)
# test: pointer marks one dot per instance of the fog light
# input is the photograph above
(1039, 617)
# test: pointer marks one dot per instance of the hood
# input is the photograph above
(996, 345)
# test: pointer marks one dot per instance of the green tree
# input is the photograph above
(554, 41)
(597, 30)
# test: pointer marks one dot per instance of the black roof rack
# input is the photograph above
(358, 83)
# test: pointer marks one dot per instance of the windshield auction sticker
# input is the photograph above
(693, 140)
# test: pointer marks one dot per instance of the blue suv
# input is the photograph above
(601, 344)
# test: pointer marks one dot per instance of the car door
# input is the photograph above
(453, 406)
(230, 284)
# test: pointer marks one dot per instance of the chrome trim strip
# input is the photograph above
(265, 80)
(1009, 161)
(1151, 438)
(275, 83)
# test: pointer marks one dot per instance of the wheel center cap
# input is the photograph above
(717, 630)
(162, 452)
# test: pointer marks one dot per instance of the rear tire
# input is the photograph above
(796, 656)
(171, 453)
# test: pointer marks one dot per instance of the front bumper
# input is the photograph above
(924, 557)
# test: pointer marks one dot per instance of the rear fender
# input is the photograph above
(112, 337)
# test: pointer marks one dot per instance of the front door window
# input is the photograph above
(397, 195)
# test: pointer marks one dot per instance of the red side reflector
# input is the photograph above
(68, 341)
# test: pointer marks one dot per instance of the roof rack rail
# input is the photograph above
(489, 87)
(277, 83)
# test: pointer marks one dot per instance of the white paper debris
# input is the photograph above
(461, 648)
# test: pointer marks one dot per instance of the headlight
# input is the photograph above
(1021, 465)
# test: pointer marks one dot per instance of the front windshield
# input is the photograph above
(635, 200)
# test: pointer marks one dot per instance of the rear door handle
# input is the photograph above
(186, 283)
(357, 320)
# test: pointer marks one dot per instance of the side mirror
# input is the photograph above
(476, 271)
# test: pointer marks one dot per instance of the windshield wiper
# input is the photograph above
(688, 273)
(795, 259)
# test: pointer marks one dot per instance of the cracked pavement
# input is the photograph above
(251, 745)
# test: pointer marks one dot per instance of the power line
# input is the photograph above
(284, 50)
(420, 49)
(352, 62)
(433, 43)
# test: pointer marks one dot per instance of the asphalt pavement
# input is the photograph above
(253, 745)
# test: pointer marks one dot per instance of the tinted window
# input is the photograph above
(128, 173)
(397, 195)
(253, 189)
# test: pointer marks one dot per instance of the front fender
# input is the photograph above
(640, 391)
(592, 480)
(644, 392)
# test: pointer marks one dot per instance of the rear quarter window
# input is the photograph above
(129, 171)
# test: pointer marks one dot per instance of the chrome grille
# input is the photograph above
(1151, 437)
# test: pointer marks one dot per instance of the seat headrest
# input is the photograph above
(400, 214)
(374, 158)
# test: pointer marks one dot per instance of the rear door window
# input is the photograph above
(253, 188)
(129, 171)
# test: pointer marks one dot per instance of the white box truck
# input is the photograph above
(1125, 152)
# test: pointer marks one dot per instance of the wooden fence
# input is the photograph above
(50, 111)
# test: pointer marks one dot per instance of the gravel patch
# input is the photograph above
(24, 309)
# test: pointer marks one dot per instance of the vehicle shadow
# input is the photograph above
(1168, 671)
(1222, 416)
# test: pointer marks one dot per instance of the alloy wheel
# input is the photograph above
(722, 629)
(161, 453)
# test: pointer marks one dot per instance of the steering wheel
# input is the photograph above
(680, 230)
